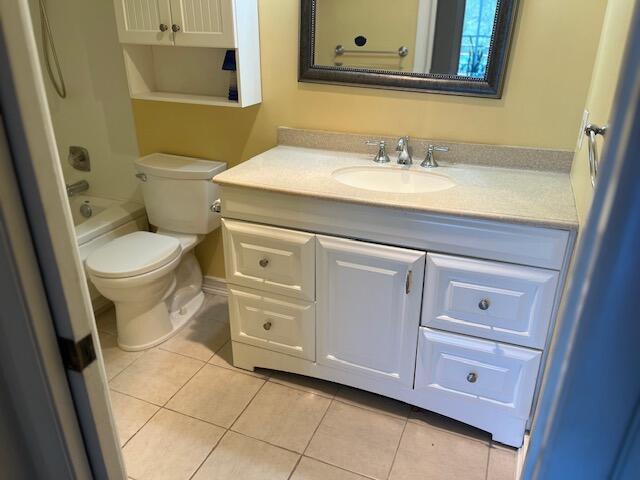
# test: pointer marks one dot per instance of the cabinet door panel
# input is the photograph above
(368, 308)
(139, 21)
(204, 23)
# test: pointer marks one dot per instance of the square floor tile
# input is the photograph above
(216, 395)
(156, 376)
(170, 446)
(224, 358)
(282, 416)
(206, 333)
(373, 402)
(503, 462)
(432, 419)
(130, 414)
(244, 458)
(310, 469)
(106, 321)
(115, 359)
(357, 440)
(428, 453)
(307, 384)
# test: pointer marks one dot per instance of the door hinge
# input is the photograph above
(79, 355)
(407, 286)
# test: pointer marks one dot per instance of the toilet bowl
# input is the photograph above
(154, 279)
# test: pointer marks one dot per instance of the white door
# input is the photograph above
(59, 270)
(203, 23)
(144, 21)
(368, 308)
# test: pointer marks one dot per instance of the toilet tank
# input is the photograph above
(178, 192)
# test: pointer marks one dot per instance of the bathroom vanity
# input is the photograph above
(444, 299)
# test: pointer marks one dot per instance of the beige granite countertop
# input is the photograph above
(539, 198)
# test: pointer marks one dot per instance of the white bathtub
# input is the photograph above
(109, 219)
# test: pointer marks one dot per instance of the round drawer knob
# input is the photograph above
(267, 325)
(175, 28)
(484, 304)
(163, 27)
(472, 377)
(264, 262)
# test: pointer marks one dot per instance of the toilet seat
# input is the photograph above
(132, 255)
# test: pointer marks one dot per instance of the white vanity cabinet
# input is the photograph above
(174, 50)
(449, 314)
(368, 308)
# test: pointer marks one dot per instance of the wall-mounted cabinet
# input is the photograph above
(174, 50)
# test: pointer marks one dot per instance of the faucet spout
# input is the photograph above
(404, 155)
(78, 187)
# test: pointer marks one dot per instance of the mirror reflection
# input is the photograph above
(447, 37)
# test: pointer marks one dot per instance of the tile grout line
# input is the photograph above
(315, 430)
(395, 454)
(295, 467)
(195, 472)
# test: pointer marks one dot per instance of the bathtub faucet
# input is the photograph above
(78, 187)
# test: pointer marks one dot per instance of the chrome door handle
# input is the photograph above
(592, 131)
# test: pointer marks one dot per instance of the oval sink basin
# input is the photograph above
(394, 180)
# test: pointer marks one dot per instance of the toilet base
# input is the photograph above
(177, 320)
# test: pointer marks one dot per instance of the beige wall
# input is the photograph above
(601, 93)
(547, 80)
(387, 26)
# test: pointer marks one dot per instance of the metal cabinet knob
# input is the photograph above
(175, 28)
(264, 262)
(484, 304)
(163, 27)
(472, 377)
(267, 325)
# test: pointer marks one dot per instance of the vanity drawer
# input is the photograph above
(493, 300)
(273, 322)
(465, 377)
(272, 259)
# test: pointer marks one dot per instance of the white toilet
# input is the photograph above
(154, 279)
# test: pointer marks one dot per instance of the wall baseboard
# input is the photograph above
(214, 285)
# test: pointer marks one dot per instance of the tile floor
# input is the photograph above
(184, 412)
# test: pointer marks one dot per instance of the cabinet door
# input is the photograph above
(203, 23)
(144, 21)
(368, 308)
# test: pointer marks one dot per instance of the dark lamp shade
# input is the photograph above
(229, 63)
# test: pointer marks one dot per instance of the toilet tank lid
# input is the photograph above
(175, 166)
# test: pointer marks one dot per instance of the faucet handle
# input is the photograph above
(381, 156)
(430, 161)
(437, 148)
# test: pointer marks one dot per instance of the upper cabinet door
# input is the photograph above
(368, 308)
(203, 23)
(144, 21)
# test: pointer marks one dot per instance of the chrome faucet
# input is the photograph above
(404, 155)
(381, 156)
(78, 187)
(430, 161)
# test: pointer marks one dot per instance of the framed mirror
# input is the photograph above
(457, 47)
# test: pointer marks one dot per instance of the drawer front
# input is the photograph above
(498, 301)
(274, 322)
(464, 375)
(272, 259)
